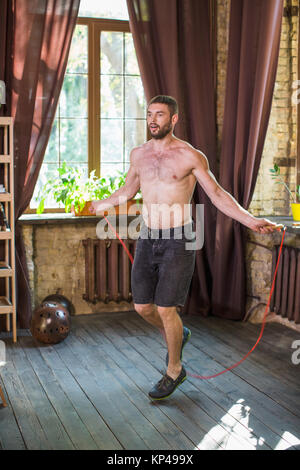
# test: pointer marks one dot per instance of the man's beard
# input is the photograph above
(165, 130)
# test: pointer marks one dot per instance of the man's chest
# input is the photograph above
(162, 168)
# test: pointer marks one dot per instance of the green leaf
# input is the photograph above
(41, 206)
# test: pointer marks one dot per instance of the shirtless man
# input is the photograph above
(166, 170)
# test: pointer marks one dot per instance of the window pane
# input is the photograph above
(111, 140)
(134, 98)
(73, 97)
(111, 96)
(73, 140)
(52, 151)
(115, 9)
(111, 169)
(49, 171)
(131, 63)
(78, 57)
(135, 134)
(111, 47)
(122, 99)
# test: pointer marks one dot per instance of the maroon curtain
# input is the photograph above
(254, 39)
(41, 38)
(174, 48)
(6, 20)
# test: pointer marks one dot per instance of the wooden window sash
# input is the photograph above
(95, 26)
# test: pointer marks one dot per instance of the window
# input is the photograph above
(112, 9)
(122, 110)
(101, 112)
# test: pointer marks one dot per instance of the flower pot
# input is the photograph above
(84, 211)
(296, 211)
(117, 210)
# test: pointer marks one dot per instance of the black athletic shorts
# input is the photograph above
(163, 265)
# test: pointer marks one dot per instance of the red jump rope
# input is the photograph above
(264, 318)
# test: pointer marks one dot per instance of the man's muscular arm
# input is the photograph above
(223, 200)
(126, 192)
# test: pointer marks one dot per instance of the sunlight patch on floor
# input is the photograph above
(287, 436)
(233, 431)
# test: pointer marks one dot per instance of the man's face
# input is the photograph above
(159, 121)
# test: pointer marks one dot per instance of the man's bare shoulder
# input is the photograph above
(196, 157)
(138, 151)
(134, 156)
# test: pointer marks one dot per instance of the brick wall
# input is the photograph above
(56, 264)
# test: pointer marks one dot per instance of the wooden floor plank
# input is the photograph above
(217, 403)
(28, 423)
(127, 372)
(198, 406)
(250, 371)
(107, 403)
(187, 413)
(78, 433)
(194, 432)
(10, 434)
(267, 357)
(275, 334)
(94, 359)
(277, 417)
(229, 390)
(261, 414)
(98, 429)
(91, 390)
(53, 428)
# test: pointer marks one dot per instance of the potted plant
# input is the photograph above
(75, 190)
(295, 205)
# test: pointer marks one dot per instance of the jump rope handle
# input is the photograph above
(280, 227)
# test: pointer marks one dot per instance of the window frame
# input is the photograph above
(94, 28)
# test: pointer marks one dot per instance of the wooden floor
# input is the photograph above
(91, 391)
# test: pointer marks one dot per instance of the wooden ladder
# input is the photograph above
(7, 232)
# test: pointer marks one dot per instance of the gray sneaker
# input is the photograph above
(186, 336)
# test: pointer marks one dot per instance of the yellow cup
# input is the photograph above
(296, 211)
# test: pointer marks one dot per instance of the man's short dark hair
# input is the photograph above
(168, 100)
